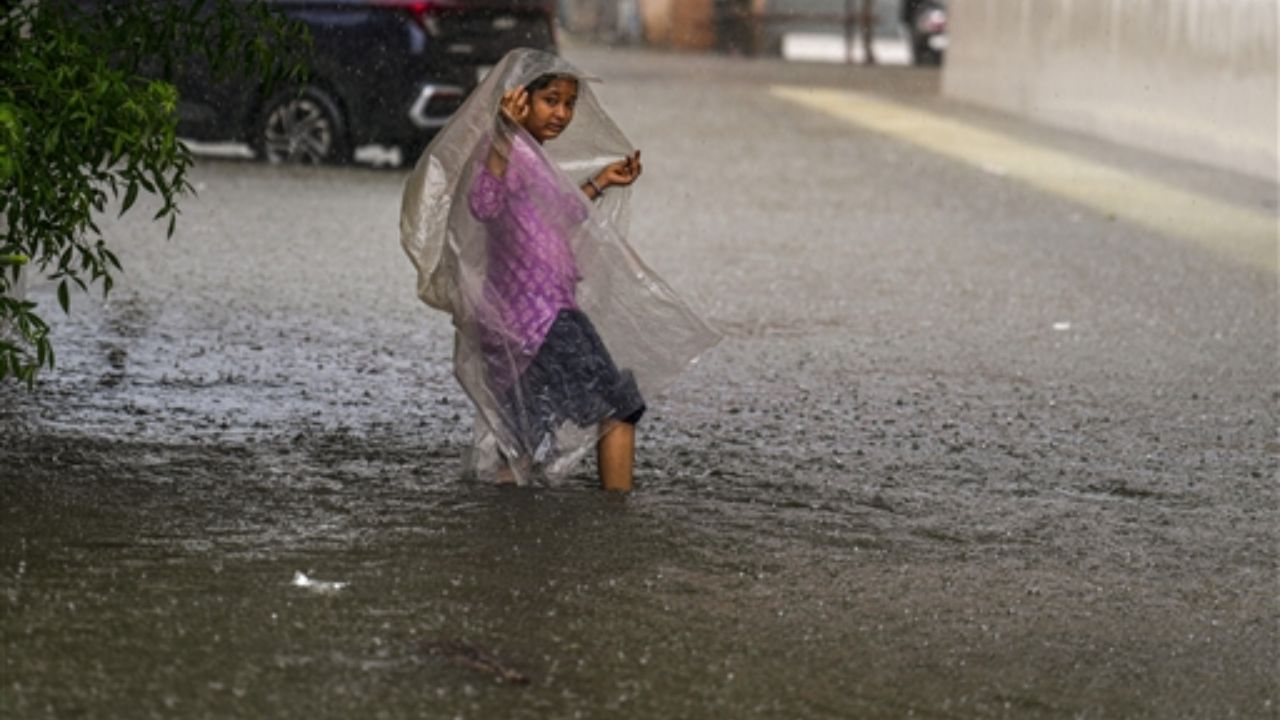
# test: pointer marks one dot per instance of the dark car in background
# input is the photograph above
(385, 72)
(926, 23)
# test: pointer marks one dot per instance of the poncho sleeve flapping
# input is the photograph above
(559, 326)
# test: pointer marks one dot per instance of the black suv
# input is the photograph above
(388, 72)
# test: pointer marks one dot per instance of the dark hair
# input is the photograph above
(542, 81)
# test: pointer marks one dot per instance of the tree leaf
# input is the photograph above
(130, 195)
(51, 140)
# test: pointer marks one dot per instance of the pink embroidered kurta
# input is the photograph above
(530, 273)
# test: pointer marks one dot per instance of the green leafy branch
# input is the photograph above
(88, 118)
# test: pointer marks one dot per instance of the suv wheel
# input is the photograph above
(302, 126)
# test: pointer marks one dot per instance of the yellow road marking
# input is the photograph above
(1243, 234)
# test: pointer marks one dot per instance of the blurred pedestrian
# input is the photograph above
(561, 331)
(734, 27)
(867, 23)
(630, 29)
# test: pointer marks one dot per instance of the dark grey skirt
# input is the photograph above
(572, 378)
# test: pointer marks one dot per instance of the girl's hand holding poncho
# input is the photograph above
(559, 325)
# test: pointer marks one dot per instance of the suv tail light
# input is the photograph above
(423, 12)
(427, 14)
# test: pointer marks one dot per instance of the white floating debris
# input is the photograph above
(1062, 326)
(324, 586)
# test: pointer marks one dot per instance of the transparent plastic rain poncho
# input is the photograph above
(450, 232)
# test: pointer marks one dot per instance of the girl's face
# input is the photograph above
(551, 109)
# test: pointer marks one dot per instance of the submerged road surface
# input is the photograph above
(975, 445)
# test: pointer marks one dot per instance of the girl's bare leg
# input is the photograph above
(616, 455)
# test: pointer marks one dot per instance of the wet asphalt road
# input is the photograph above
(967, 450)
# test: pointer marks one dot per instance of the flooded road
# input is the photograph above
(967, 451)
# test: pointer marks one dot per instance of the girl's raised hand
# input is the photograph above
(624, 172)
(515, 105)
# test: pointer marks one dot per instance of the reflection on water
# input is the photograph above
(171, 590)
(185, 576)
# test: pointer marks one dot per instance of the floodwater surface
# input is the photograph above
(966, 451)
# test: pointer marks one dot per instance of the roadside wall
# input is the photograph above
(1191, 78)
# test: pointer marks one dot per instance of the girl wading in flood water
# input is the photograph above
(516, 219)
